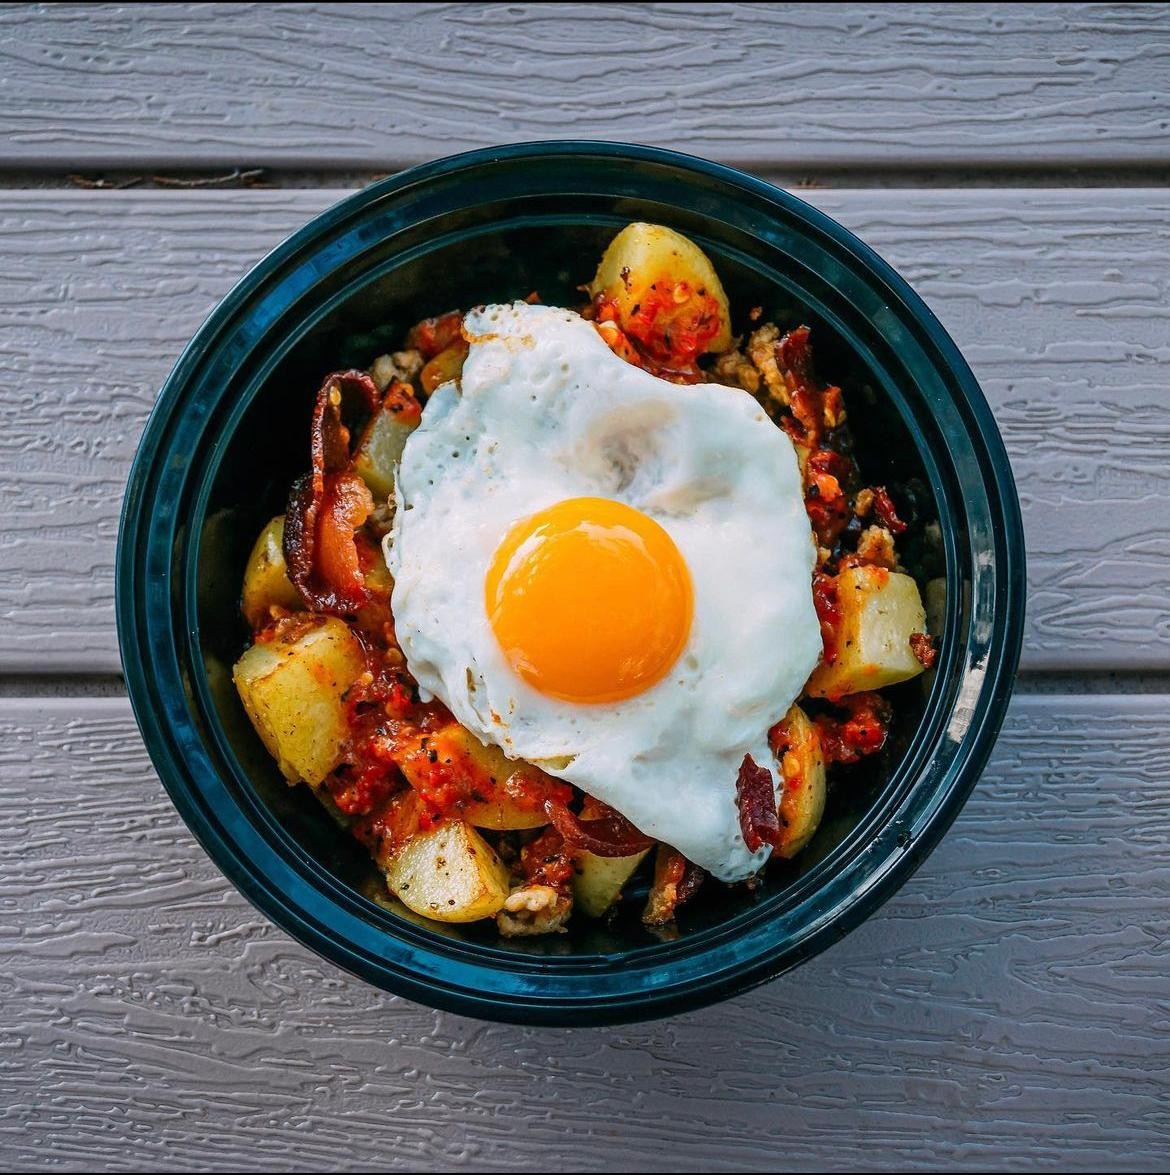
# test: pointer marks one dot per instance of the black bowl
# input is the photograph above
(230, 431)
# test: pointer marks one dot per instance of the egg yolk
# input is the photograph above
(590, 600)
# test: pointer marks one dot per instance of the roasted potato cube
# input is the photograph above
(266, 580)
(598, 881)
(503, 814)
(380, 449)
(449, 873)
(444, 367)
(802, 775)
(645, 258)
(879, 610)
(292, 687)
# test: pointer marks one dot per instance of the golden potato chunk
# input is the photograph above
(380, 448)
(802, 777)
(597, 881)
(880, 610)
(266, 580)
(647, 260)
(292, 687)
(450, 874)
(444, 367)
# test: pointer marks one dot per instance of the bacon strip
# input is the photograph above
(327, 505)
(612, 836)
(887, 515)
(675, 881)
(815, 407)
(923, 647)
(756, 798)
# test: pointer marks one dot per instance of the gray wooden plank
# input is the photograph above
(368, 86)
(1008, 1008)
(1058, 298)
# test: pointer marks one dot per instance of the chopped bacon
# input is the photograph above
(828, 611)
(756, 799)
(826, 475)
(887, 515)
(547, 861)
(675, 881)
(327, 505)
(815, 407)
(923, 648)
(862, 730)
(611, 836)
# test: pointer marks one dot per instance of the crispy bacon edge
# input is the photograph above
(328, 504)
(756, 799)
(611, 836)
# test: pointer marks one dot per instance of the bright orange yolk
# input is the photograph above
(590, 600)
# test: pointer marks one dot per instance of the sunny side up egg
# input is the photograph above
(606, 574)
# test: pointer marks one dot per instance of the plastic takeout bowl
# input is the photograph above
(229, 432)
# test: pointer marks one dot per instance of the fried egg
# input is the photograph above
(606, 574)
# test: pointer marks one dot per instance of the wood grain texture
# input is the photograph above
(1010, 1007)
(1058, 298)
(368, 86)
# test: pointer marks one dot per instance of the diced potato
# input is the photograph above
(487, 770)
(880, 610)
(444, 367)
(802, 772)
(598, 881)
(380, 448)
(292, 688)
(644, 254)
(936, 604)
(503, 814)
(450, 874)
(266, 580)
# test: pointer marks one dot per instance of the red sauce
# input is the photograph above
(380, 709)
(665, 332)
(433, 335)
(673, 323)
(883, 508)
(859, 727)
(389, 825)
(827, 476)
(815, 407)
(546, 861)
(401, 401)
(828, 612)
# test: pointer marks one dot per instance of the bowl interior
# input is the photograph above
(498, 251)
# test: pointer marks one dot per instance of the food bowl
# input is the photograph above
(230, 432)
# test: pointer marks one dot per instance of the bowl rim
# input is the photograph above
(524, 1004)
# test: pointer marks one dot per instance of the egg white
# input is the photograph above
(547, 412)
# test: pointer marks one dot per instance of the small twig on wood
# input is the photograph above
(236, 176)
(100, 184)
